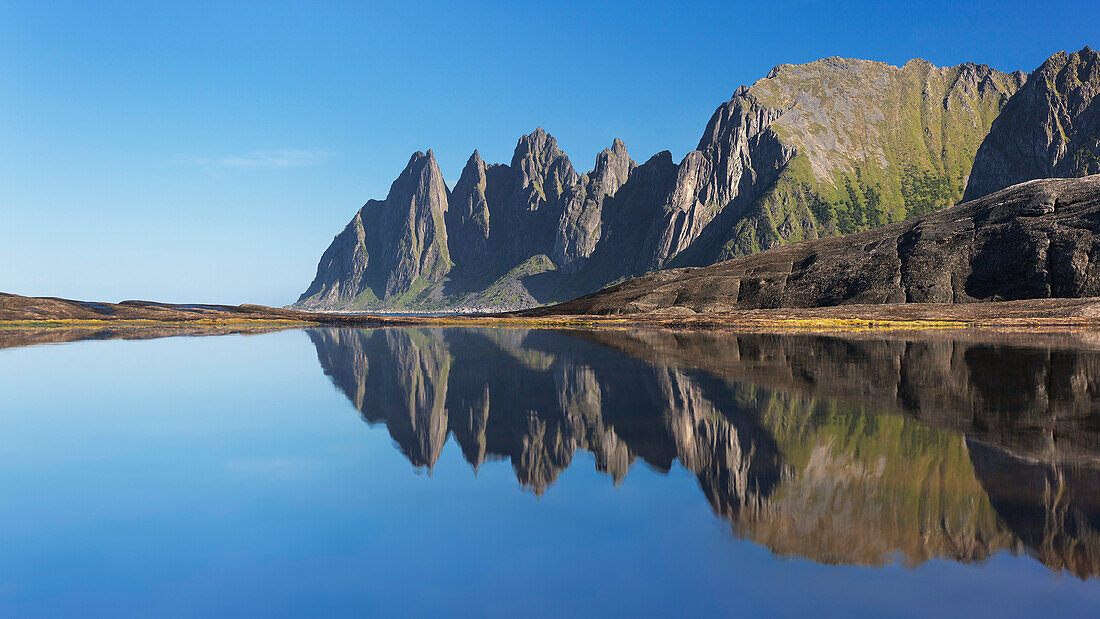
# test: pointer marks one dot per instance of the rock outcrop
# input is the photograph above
(1049, 128)
(468, 214)
(1039, 239)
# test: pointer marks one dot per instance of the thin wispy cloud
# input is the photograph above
(278, 158)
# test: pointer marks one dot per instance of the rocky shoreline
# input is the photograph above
(1030, 314)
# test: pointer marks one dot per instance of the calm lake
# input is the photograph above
(508, 472)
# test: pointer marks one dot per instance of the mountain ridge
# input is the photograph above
(830, 147)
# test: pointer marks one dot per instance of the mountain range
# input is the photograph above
(827, 148)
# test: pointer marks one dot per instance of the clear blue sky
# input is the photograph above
(208, 152)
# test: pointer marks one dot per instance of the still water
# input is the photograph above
(505, 472)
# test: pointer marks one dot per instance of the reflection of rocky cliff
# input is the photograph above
(1037, 396)
(526, 397)
(786, 435)
(1054, 510)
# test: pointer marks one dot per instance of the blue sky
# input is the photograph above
(208, 152)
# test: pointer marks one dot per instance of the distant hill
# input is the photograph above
(826, 148)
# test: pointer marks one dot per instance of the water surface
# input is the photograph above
(505, 472)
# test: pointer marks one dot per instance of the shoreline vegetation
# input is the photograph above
(1078, 314)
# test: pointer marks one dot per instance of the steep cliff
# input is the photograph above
(1050, 128)
(579, 226)
(391, 249)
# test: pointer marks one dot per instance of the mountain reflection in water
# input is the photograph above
(854, 450)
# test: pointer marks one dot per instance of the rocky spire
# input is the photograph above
(541, 170)
(613, 168)
(411, 228)
(737, 157)
(468, 216)
(543, 181)
(580, 223)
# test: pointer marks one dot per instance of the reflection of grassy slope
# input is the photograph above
(874, 144)
(511, 343)
(864, 486)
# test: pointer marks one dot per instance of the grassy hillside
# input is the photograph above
(872, 144)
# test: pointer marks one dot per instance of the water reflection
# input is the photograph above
(841, 450)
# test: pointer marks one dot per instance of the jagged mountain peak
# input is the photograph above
(420, 180)
(468, 215)
(475, 166)
(1057, 60)
(410, 231)
(733, 117)
(615, 161)
(580, 224)
(617, 150)
(421, 158)
(538, 145)
(542, 172)
(422, 171)
(663, 157)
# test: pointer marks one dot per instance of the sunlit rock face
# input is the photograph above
(859, 450)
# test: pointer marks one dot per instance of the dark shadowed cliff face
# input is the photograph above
(1050, 127)
(826, 148)
(468, 215)
(1035, 240)
(836, 449)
